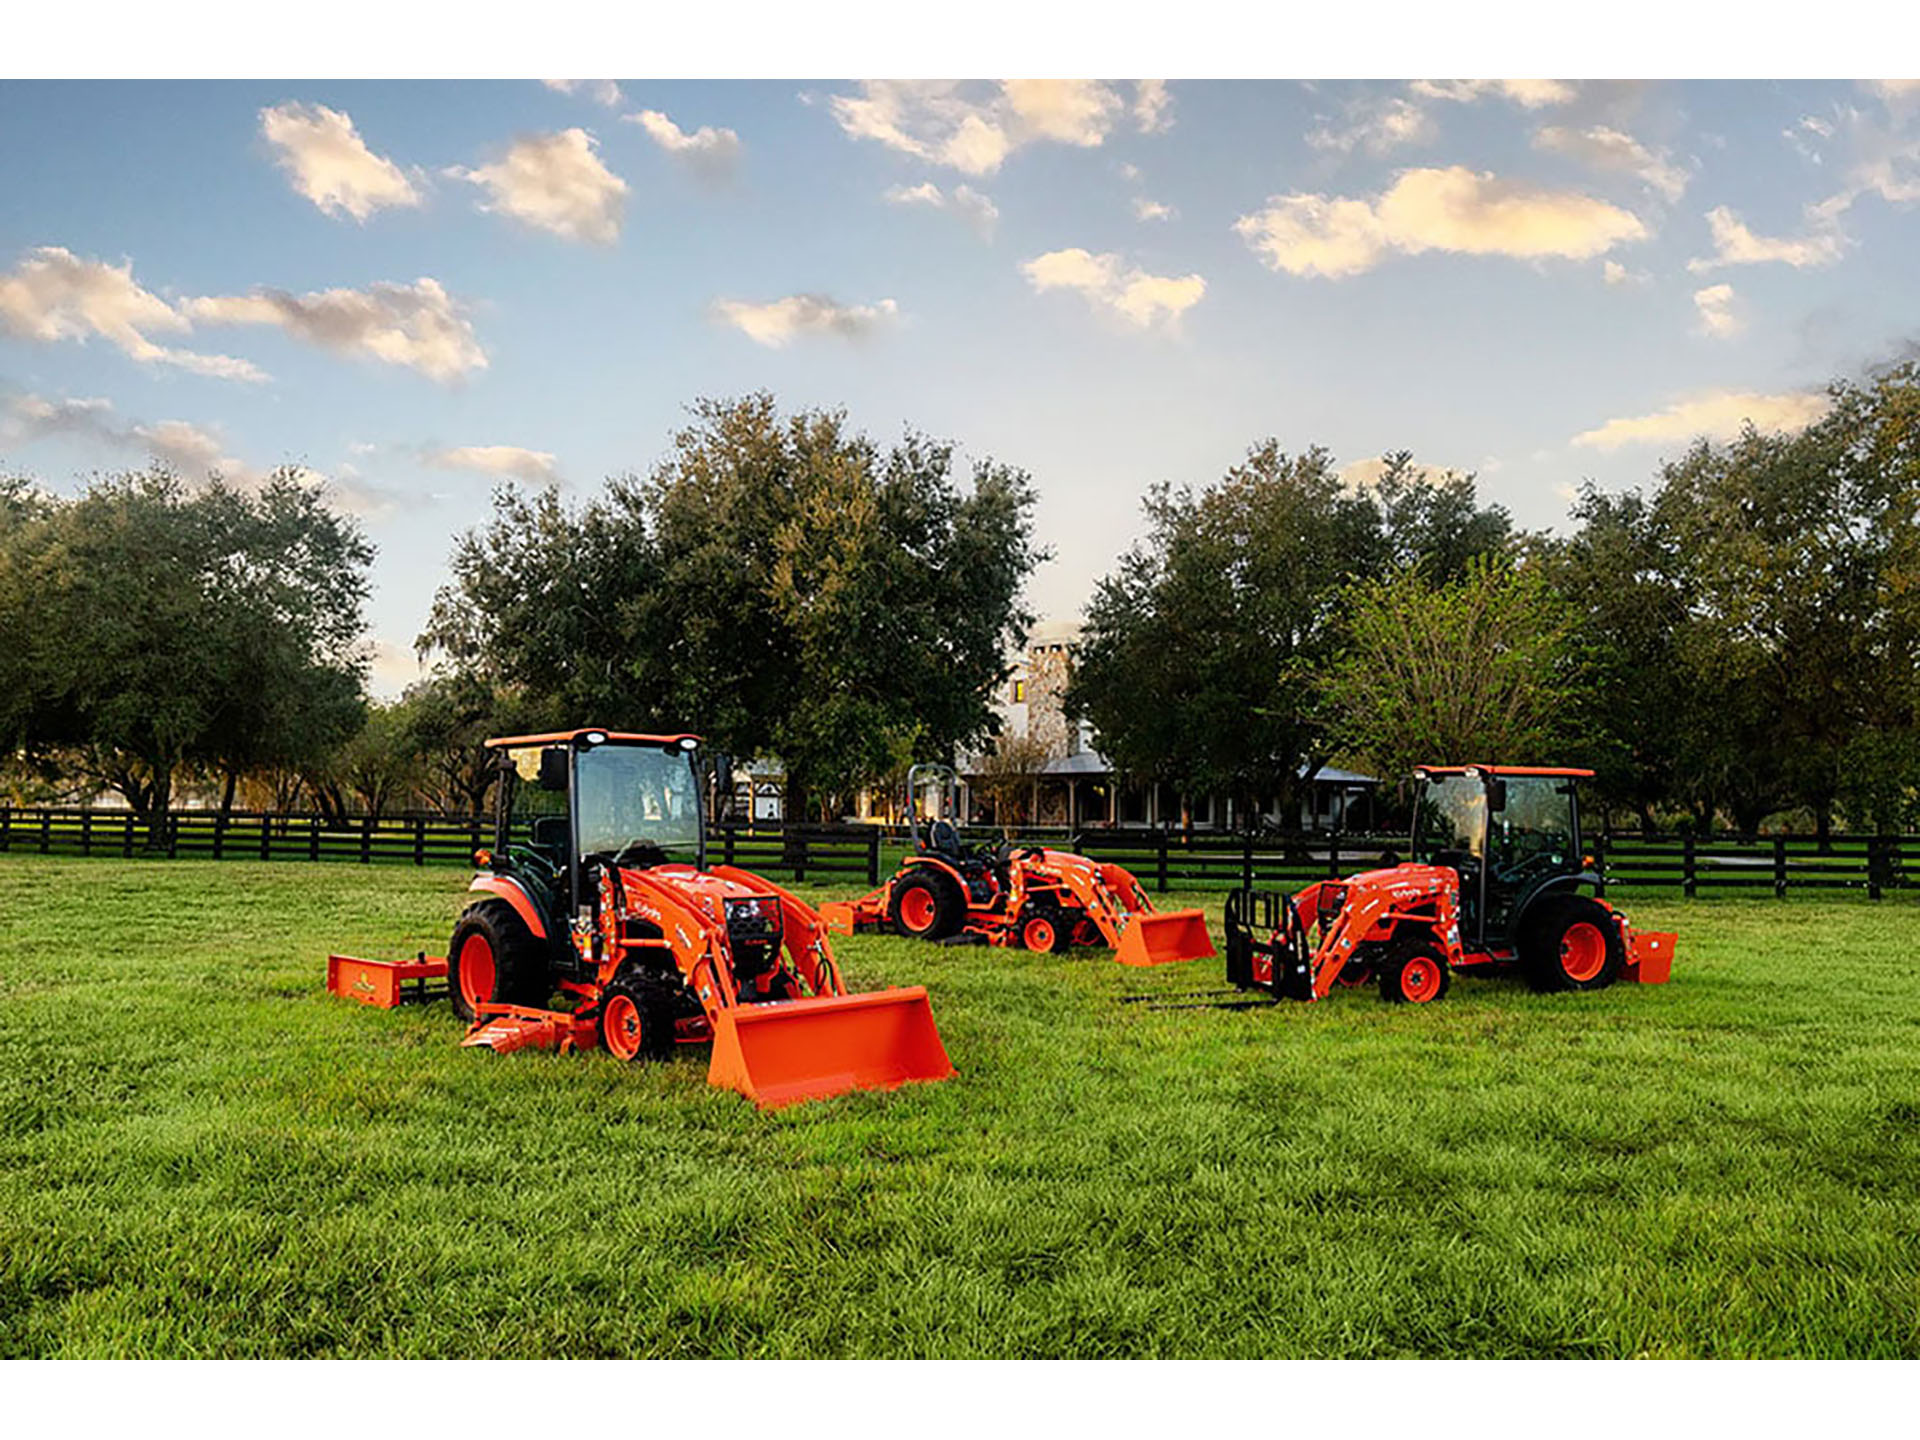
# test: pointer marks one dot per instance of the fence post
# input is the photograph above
(732, 833)
(366, 840)
(6, 828)
(1162, 880)
(419, 840)
(1246, 861)
(1780, 866)
(1686, 865)
(800, 857)
(1333, 856)
(873, 855)
(126, 840)
(313, 837)
(1600, 865)
(219, 835)
(1876, 865)
(170, 827)
(86, 832)
(46, 831)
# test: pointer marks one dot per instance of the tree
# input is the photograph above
(1484, 667)
(1199, 651)
(1006, 774)
(777, 582)
(172, 628)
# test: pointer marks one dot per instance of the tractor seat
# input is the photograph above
(944, 839)
(549, 835)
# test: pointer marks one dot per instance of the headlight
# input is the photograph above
(1332, 897)
(754, 915)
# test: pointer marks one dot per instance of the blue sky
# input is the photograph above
(421, 290)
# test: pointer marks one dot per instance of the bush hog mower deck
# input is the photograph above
(597, 887)
(1493, 886)
(1038, 899)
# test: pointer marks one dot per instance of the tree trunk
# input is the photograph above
(1823, 827)
(226, 796)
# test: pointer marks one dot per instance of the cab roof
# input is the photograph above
(1503, 770)
(568, 737)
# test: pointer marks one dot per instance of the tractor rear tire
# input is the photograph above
(494, 958)
(1414, 972)
(927, 906)
(1571, 943)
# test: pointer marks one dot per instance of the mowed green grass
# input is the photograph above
(202, 1153)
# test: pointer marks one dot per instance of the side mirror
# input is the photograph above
(553, 769)
(1496, 795)
(723, 787)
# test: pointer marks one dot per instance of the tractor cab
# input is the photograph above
(1511, 834)
(569, 802)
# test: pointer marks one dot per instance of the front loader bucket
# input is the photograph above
(1164, 937)
(792, 1050)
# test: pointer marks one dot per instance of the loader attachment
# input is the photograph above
(778, 1053)
(1164, 937)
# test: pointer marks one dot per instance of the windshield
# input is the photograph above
(1451, 815)
(633, 796)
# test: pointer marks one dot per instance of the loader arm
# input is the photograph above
(1117, 905)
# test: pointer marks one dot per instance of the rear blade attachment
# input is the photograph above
(1165, 938)
(506, 1028)
(786, 1051)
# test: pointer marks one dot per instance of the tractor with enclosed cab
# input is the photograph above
(1010, 894)
(1496, 882)
(596, 889)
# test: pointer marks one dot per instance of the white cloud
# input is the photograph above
(193, 451)
(330, 164)
(973, 127)
(1735, 244)
(53, 294)
(601, 92)
(554, 183)
(418, 326)
(1716, 415)
(1152, 107)
(1604, 148)
(709, 152)
(1529, 94)
(1453, 210)
(779, 322)
(1136, 297)
(1145, 209)
(970, 205)
(510, 462)
(1377, 129)
(1617, 274)
(1717, 317)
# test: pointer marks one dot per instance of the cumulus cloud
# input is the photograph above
(1716, 415)
(330, 164)
(1604, 148)
(601, 92)
(1617, 274)
(977, 210)
(1145, 209)
(973, 127)
(1377, 129)
(1735, 244)
(1529, 94)
(779, 322)
(418, 326)
(708, 152)
(1134, 296)
(1717, 317)
(554, 183)
(1454, 209)
(54, 294)
(509, 462)
(188, 448)
(1152, 107)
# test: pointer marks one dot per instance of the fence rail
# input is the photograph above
(1163, 860)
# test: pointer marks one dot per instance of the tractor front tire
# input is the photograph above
(1414, 973)
(927, 906)
(1046, 929)
(636, 1023)
(1571, 943)
(493, 958)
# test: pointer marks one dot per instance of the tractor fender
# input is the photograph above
(941, 865)
(515, 894)
(1559, 885)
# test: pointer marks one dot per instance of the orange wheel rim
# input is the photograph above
(916, 909)
(1583, 951)
(620, 1022)
(476, 970)
(1039, 935)
(1420, 980)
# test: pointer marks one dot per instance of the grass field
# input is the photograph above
(201, 1153)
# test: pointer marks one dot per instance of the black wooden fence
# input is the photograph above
(1163, 860)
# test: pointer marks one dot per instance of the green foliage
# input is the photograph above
(152, 627)
(1484, 667)
(201, 1153)
(1198, 647)
(778, 583)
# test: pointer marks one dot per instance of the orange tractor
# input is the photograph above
(1007, 894)
(597, 887)
(1493, 886)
